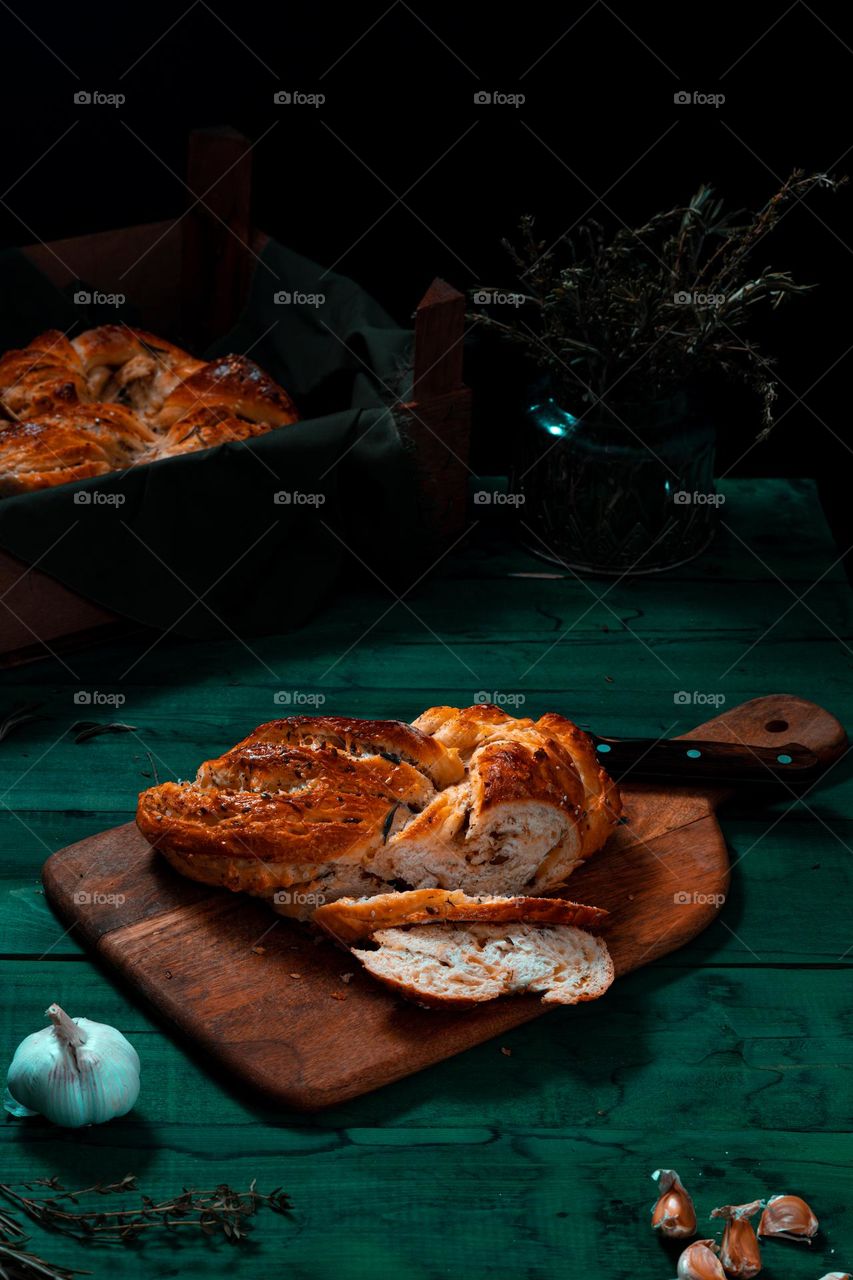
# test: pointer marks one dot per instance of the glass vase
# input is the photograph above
(616, 495)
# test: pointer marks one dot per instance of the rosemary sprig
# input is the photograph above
(17, 1264)
(649, 310)
(220, 1211)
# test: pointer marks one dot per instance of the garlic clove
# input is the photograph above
(75, 1072)
(673, 1214)
(837, 1275)
(699, 1262)
(739, 1251)
(788, 1218)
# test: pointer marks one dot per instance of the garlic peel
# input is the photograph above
(788, 1218)
(75, 1072)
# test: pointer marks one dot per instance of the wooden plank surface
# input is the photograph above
(193, 952)
(729, 1059)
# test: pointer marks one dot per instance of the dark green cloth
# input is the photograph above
(148, 541)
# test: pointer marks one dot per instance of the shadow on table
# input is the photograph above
(83, 1157)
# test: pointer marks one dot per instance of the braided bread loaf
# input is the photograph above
(311, 809)
(116, 397)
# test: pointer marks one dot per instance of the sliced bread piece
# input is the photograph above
(350, 919)
(459, 965)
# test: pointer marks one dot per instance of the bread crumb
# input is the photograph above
(295, 975)
(259, 951)
(507, 1053)
(347, 977)
(339, 995)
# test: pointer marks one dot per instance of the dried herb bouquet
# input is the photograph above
(631, 320)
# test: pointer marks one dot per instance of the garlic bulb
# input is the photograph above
(788, 1218)
(673, 1214)
(74, 1072)
(699, 1262)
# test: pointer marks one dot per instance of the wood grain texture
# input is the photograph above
(437, 418)
(269, 1001)
(216, 262)
(36, 610)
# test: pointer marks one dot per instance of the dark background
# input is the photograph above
(400, 176)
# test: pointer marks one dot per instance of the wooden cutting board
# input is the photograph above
(257, 992)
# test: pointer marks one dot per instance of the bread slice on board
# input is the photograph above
(351, 919)
(474, 949)
(459, 965)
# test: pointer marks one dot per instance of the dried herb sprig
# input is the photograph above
(17, 1263)
(220, 1211)
(628, 320)
(17, 716)
(83, 730)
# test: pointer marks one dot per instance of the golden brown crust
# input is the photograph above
(76, 443)
(350, 919)
(339, 807)
(288, 800)
(115, 344)
(70, 396)
(44, 375)
(235, 383)
(205, 429)
(603, 803)
(388, 738)
(521, 757)
(37, 456)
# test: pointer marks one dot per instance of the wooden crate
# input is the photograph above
(210, 251)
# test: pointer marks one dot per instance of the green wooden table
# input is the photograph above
(729, 1060)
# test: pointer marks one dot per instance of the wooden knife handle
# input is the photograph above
(755, 734)
(702, 759)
